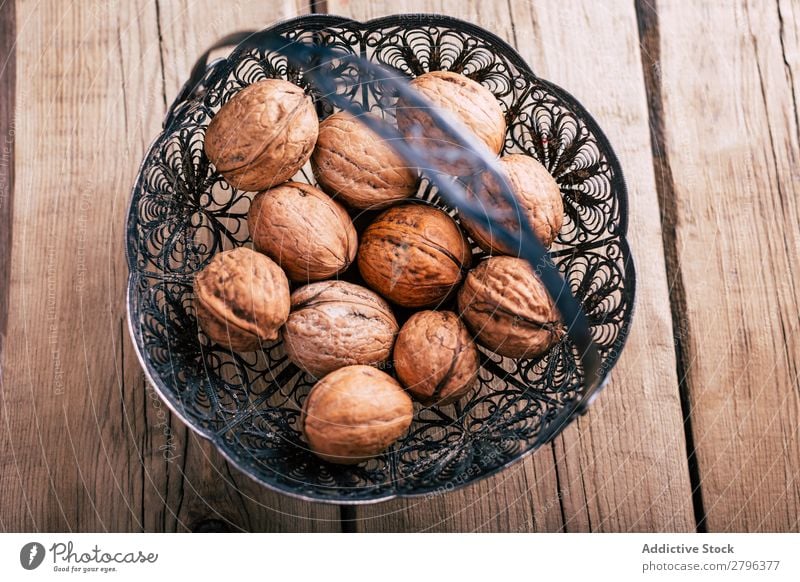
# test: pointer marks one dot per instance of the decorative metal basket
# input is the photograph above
(248, 404)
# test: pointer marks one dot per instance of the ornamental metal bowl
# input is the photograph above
(248, 404)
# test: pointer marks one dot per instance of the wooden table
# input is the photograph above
(699, 428)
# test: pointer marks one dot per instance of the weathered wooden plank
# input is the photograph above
(8, 61)
(730, 139)
(54, 462)
(622, 467)
(633, 461)
(88, 447)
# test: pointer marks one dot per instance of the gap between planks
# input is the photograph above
(650, 41)
(318, 6)
(8, 74)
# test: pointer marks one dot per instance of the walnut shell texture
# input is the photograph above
(354, 413)
(304, 230)
(435, 357)
(241, 299)
(470, 102)
(335, 324)
(508, 309)
(414, 255)
(263, 135)
(356, 166)
(538, 195)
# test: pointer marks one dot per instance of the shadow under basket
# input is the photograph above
(248, 404)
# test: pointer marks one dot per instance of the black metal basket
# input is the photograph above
(182, 213)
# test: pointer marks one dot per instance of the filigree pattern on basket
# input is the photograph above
(182, 213)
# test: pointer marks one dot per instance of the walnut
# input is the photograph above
(470, 102)
(241, 299)
(508, 309)
(354, 413)
(539, 198)
(310, 235)
(334, 324)
(435, 358)
(355, 165)
(414, 255)
(263, 135)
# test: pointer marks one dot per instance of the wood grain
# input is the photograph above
(730, 137)
(623, 466)
(88, 446)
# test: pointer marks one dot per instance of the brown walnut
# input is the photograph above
(354, 413)
(435, 357)
(538, 196)
(263, 135)
(241, 299)
(305, 231)
(335, 324)
(468, 101)
(508, 309)
(414, 255)
(355, 165)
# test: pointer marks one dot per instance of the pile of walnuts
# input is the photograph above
(334, 293)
